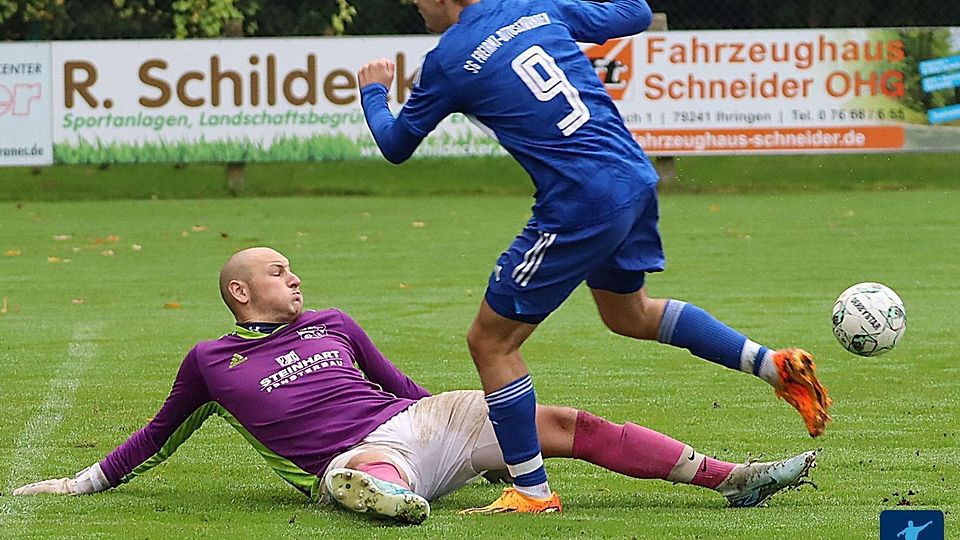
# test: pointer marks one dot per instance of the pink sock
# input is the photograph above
(383, 470)
(712, 472)
(643, 453)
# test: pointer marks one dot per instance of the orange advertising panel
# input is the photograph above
(779, 140)
(614, 64)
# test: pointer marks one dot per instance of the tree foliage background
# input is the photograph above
(143, 19)
(126, 19)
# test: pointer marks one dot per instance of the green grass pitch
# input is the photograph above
(102, 298)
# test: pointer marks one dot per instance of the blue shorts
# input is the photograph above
(540, 269)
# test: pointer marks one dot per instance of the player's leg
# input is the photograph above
(791, 372)
(640, 452)
(440, 444)
(625, 307)
(504, 321)
(494, 343)
(418, 455)
(628, 449)
(531, 279)
(360, 491)
(683, 325)
(370, 479)
(379, 465)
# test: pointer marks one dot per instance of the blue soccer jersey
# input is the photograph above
(516, 68)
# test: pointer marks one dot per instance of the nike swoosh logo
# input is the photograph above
(693, 455)
(767, 484)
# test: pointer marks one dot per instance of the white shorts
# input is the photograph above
(441, 443)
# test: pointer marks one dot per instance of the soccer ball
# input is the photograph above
(869, 319)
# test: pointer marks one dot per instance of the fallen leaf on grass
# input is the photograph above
(77, 301)
(419, 224)
(107, 253)
(404, 286)
(54, 260)
(198, 228)
(171, 305)
(136, 247)
(3, 308)
(363, 237)
(62, 237)
(12, 253)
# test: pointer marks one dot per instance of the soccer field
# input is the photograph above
(102, 299)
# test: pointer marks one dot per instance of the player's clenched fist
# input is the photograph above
(58, 486)
(378, 71)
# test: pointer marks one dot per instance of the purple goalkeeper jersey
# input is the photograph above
(303, 394)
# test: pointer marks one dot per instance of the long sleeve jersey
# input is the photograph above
(516, 68)
(300, 395)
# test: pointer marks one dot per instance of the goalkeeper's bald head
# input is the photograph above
(257, 285)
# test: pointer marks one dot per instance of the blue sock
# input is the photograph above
(513, 411)
(687, 326)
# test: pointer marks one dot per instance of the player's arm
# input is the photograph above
(378, 368)
(184, 410)
(596, 22)
(428, 104)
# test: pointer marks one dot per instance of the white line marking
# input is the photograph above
(32, 446)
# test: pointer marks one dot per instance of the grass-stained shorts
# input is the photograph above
(441, 443)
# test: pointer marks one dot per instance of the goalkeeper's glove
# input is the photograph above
(89, 480)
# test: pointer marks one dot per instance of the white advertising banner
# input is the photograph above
(25, 99)
(232, 100)
(696, 92)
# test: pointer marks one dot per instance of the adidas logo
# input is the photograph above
(236, 360)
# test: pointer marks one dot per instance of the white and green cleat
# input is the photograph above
(360, 492)
(752, 484)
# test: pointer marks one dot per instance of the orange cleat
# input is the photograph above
(800, 388)
(513, 501)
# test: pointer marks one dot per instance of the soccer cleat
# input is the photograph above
(752, 484)
(360, 492)
(800, 387)
(513, 501)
